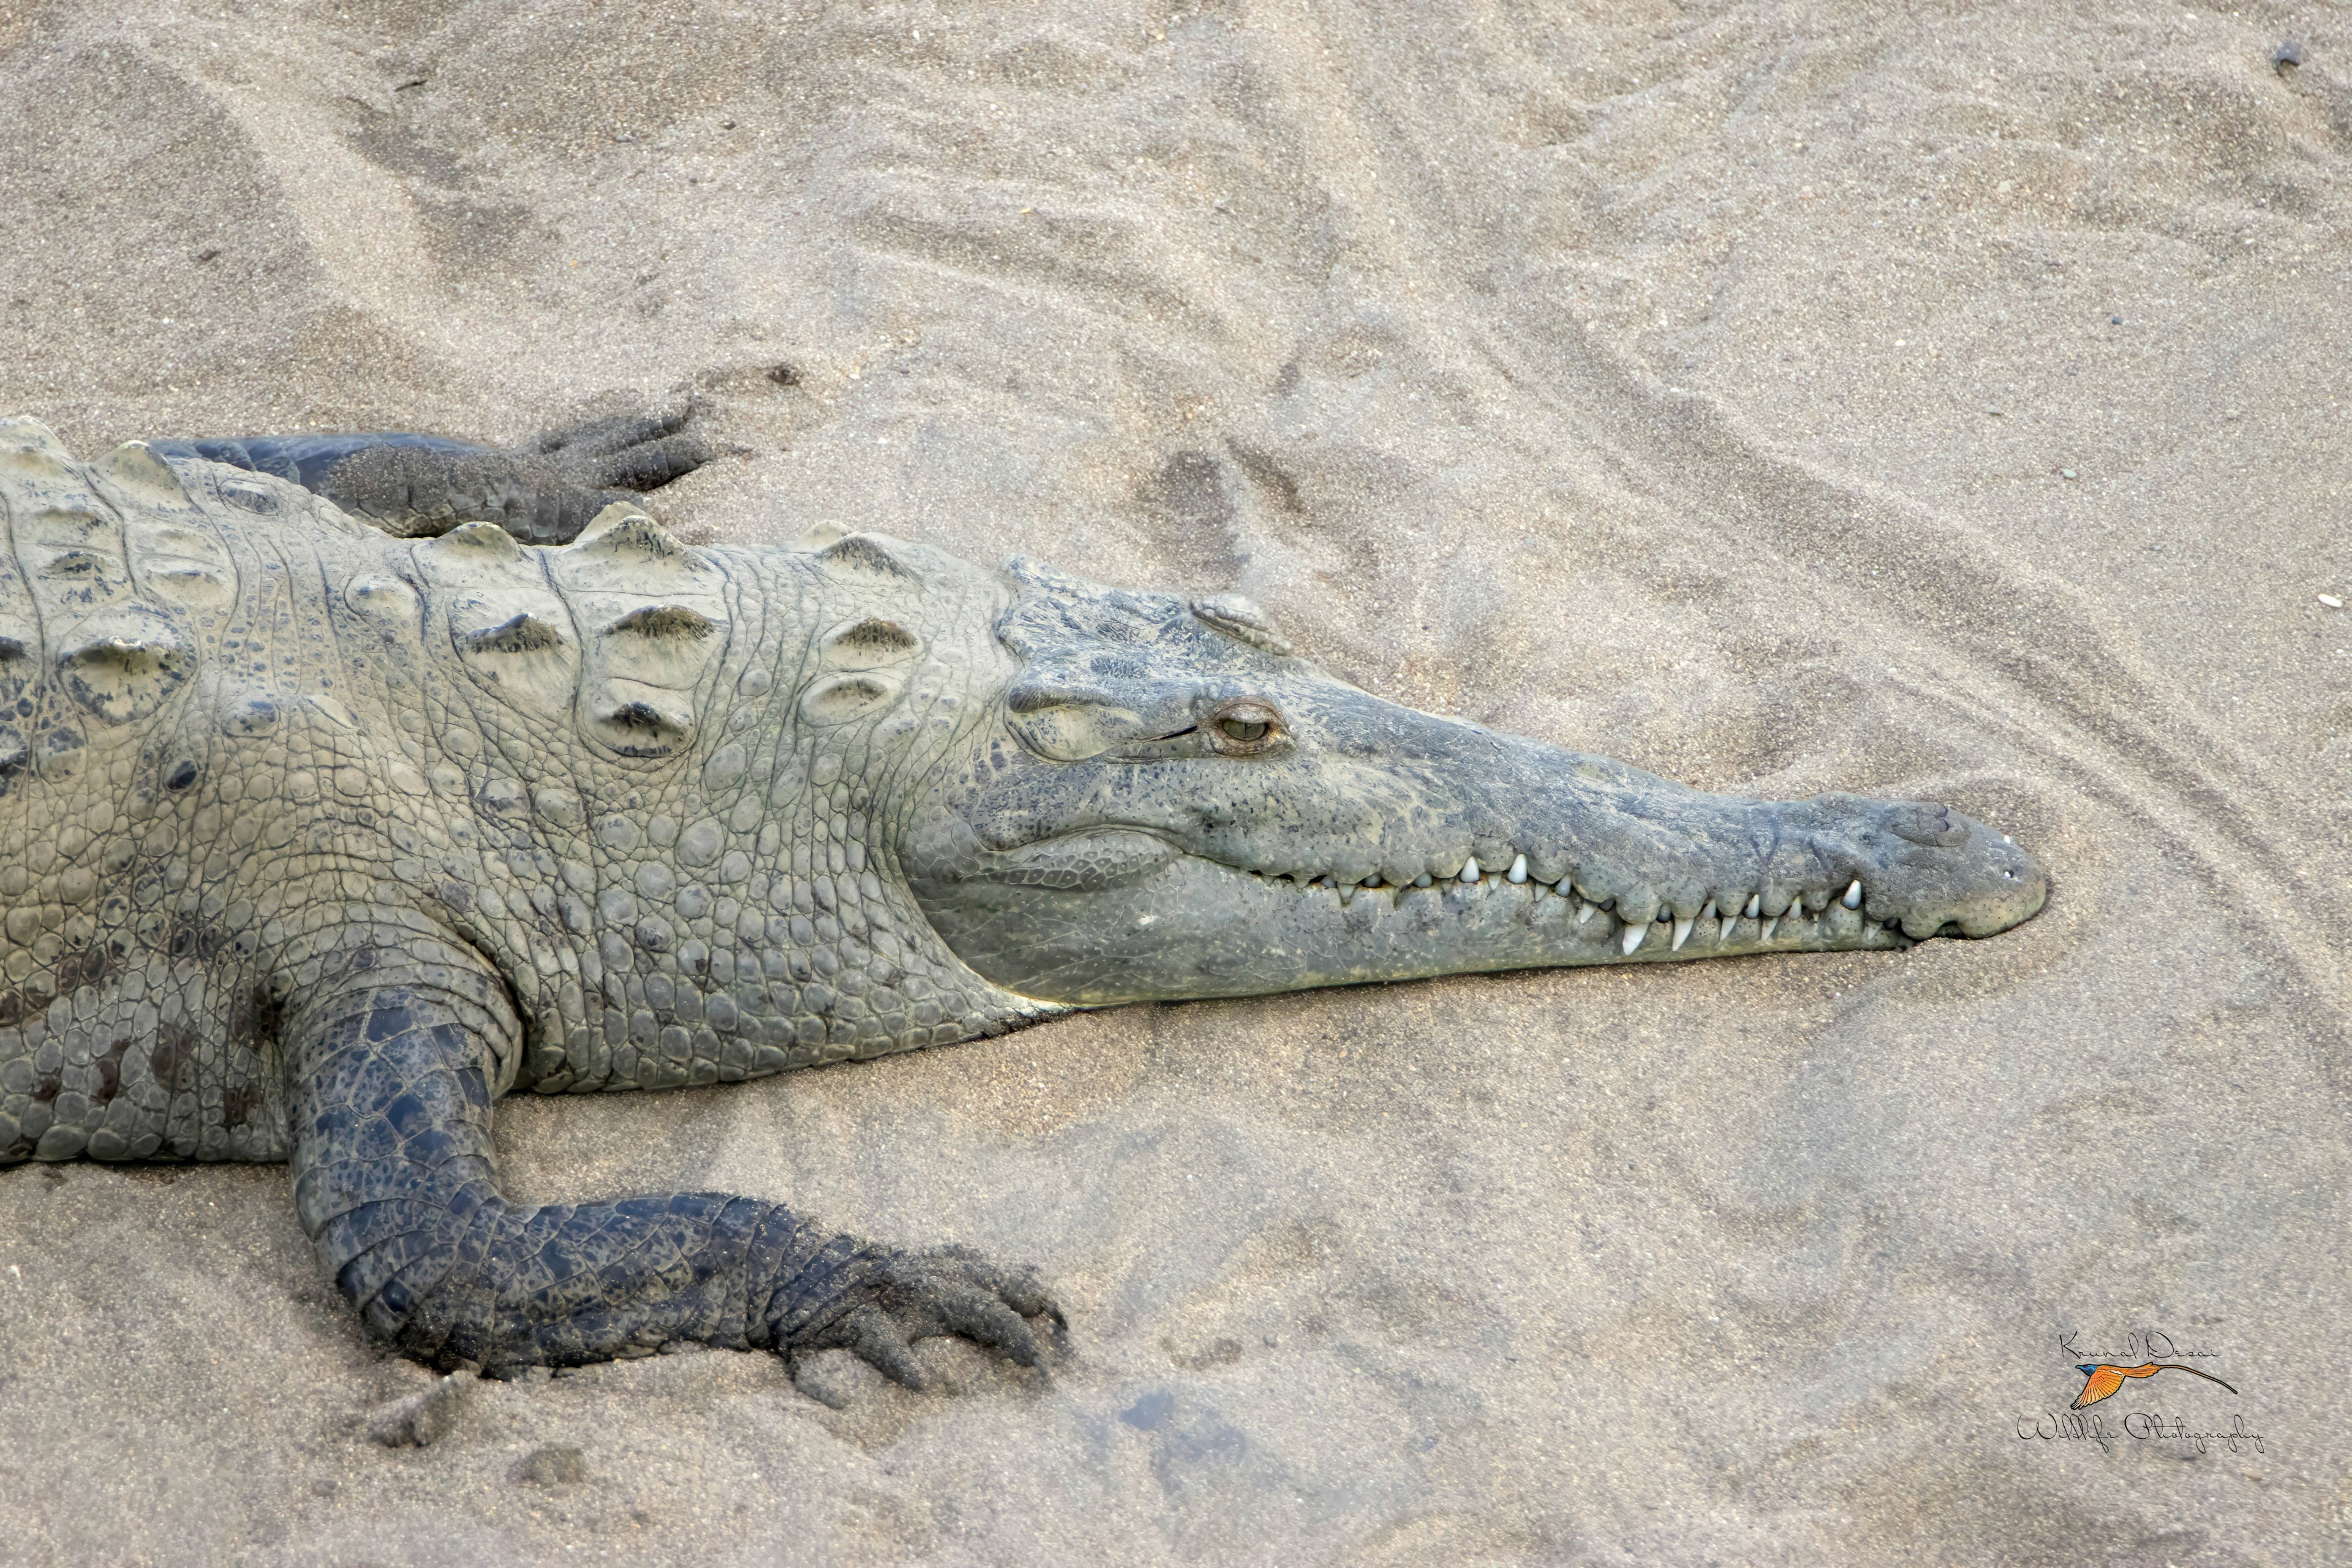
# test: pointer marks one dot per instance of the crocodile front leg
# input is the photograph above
(396, 1182)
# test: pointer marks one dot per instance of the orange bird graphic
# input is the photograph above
(2100, 1379)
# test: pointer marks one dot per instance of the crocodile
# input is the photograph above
(322, 827)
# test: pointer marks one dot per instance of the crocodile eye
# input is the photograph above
(1244, 726)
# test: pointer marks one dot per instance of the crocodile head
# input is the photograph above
(1166, 804)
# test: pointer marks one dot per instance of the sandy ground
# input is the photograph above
(1945, 400)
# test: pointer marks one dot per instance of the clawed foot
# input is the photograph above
(544, 490)
(625, 451)
(877, 1301)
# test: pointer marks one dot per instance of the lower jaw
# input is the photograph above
(1208, 931)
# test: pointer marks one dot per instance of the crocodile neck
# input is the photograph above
(732, 906)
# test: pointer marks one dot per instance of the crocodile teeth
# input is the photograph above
(1423, 880)
(1585, 911)
(1852, 898)
(1683, 924)
(1518, 871)
(1470, 869)
(1632, 938)
(1755, 906)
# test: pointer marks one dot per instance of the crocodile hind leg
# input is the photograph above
(543, 491)
(397, 1183)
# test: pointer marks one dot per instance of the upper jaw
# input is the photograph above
(1640, 847)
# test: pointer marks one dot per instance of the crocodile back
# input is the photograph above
(131, 1023)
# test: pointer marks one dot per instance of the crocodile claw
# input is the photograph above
(876, 1302)
(628, 452)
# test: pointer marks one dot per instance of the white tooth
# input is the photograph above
(1723, 932)
(1682, 932)
(1423, 880)
(1346, 894)
(1518, 871)
(1755, 906)
(1585, 911)
(1632, 938)
(1470, 869)
(1852, 898)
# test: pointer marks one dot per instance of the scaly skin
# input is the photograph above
(543, 491)
(314, 841)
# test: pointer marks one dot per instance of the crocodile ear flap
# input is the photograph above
(1073, 732)
(1069, 722)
